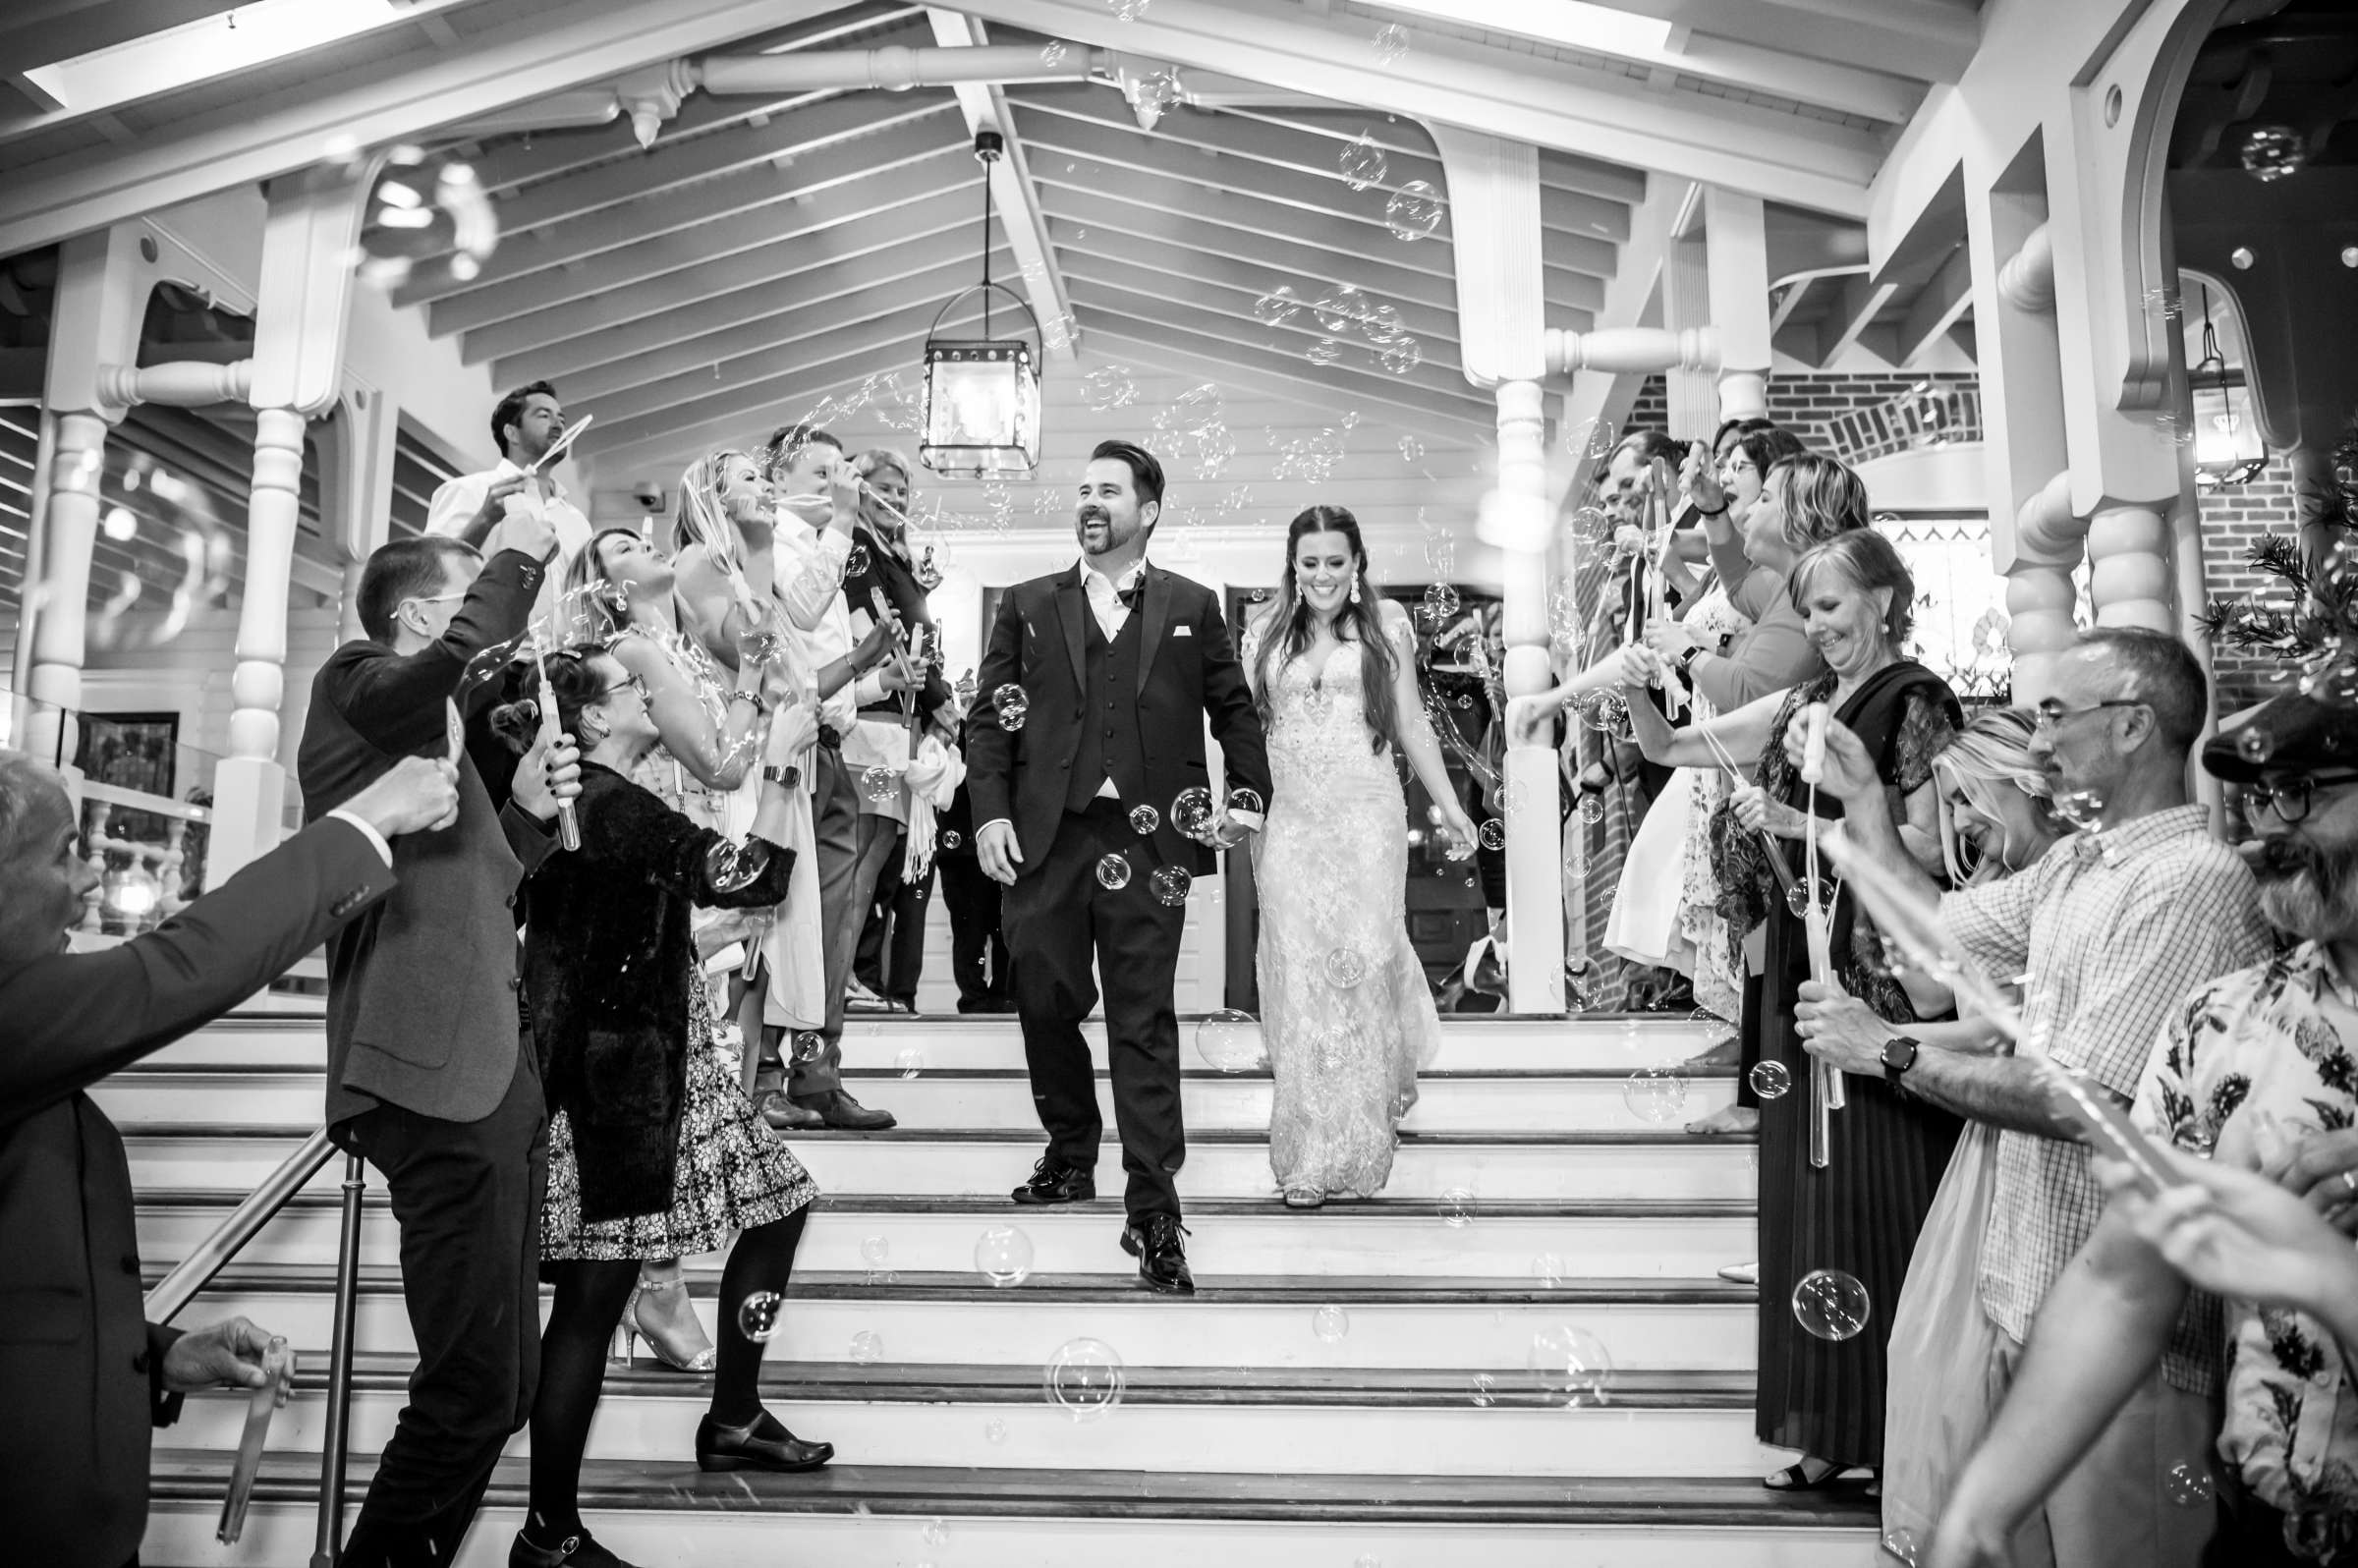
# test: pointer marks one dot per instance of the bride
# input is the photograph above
(1345, 1009)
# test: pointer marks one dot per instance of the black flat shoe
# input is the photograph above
(1796, 1478)
(1054, 1181)
(766, 1444)
(573, 1551)
(1162, 1254)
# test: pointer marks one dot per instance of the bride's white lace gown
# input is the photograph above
(1346, 1014)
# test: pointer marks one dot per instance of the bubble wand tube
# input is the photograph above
(1825, 1082)
(569, 828)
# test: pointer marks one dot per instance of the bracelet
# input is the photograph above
(788, 776)
(754, 698)
(1722, 512)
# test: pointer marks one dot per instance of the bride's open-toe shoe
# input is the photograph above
(1725, 1120)
(1806, 1475)
(1305, 1198)
(1720, 1053)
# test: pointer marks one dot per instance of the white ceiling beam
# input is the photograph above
(1941, 304)
(924, 149)
(1919, 40)
(384, 100)
(738, 263)
(608, 265)
(1011, 187)
(697, 333)
(1435, 331)
(1856, 306)
(1628, 296)
(1777, 157)
(42, 32)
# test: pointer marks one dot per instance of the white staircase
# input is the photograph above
(1245, 1436)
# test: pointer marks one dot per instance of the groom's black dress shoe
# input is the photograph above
(1054, 1181)
(1161, 1255)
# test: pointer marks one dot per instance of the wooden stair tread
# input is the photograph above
(990, 1074)
(912, 1492)
(1574, 1138)
(1287, 1290)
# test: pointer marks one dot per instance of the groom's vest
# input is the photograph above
(1109, 745)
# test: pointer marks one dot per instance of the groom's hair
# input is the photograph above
(1146, 474)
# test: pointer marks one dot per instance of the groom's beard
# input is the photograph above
(2308, 892)
(1107, 540)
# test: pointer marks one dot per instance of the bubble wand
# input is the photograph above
(569, 828)
(556, 448)
(278, 1369)
(1825, 1080)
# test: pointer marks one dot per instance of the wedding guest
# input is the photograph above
(2112, 928)
(523, 427)
(978, 950)
(431, 1074)
(653, 1149)
(82, 1376)
(1860, 1210)
(2252, 1072)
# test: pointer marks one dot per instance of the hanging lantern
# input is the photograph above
(2227, 449)
(983, 393)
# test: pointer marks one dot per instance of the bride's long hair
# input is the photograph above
(1285, 631)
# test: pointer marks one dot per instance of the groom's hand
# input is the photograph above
(997, 851)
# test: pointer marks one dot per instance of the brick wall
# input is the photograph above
(1809, 404)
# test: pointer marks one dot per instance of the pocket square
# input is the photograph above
(1182, 631)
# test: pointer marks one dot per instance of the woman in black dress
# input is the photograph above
(1860, 1214)
(653, 1149)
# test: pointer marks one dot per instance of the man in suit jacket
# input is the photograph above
(430, 1069)
(82, 1378)
(1121, 663)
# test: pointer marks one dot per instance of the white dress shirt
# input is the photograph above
(458, 500)
(809, 580)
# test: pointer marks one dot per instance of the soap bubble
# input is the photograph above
(1145, 819)
(1246, 798)
(879, 784)
(1549, 1270)
(1229, 1041)
(1830, 1303)
(1325, 351)
(1278, 307)
(1591, 808)
(1003, 1256)
(935, 1534)
(808, 1046)
(1108, 386)
(1343, 308)
(1401, 356)
(1346, 967)
(1493, 834)
(2254, 743)
(875, 1251)
(1900, 1542)
(2269, 152)
(1412, 450)
(952, 839)
(1114, 873)
(1455, 1206)
(1012, 704)
(1414, 210)
(911, 1062)
(1084, 1377)
(1127, 10)
(867, 1348)
(1191, 810)
(428, 212)
(2188, 1485)
(1657, 1094)
(758, 1315)
(1363, 163)
(855, 563)
(1772, 1080)
(1569, 1364)
(1486, 1390)
(1169, 884)
(2083, 809)
(1391, 42)
(1053, 54)
(1798, 897)
(1440, 602)
(1330, 1324)
(994, 1431)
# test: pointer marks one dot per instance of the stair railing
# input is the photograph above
(209, 1256)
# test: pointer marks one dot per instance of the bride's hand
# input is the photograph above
(1458, 828)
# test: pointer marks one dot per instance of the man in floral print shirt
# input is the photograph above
(2259, 1069)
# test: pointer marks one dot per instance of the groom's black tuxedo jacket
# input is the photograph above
(1187, 666)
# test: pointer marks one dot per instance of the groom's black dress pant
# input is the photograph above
(1057, 916)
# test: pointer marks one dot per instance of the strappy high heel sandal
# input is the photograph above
(673, 1348)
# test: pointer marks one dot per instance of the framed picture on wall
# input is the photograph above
(130, 751)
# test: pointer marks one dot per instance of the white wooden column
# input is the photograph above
(102, 286)
(1737, 249)
(303, 304)
(1694, 404)
(358, 483)
(1495, 222)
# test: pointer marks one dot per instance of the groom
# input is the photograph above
(1116, 659)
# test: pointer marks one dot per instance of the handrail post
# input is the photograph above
(334, 1440)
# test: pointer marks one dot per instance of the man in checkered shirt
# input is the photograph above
(2113, 927)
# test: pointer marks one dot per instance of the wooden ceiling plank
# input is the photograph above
(1187, 285)
(1221, 363)
(1943, 301)
(676, 250)
(579, 326)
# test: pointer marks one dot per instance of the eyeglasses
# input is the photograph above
(631, 682)
(2288, 799)
(2050, 713)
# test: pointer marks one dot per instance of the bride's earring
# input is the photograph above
(1355, 588)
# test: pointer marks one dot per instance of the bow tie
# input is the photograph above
(1129, 595)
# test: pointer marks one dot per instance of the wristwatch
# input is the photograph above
(1688, 657)
(1899, 1055)
(788, 776)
